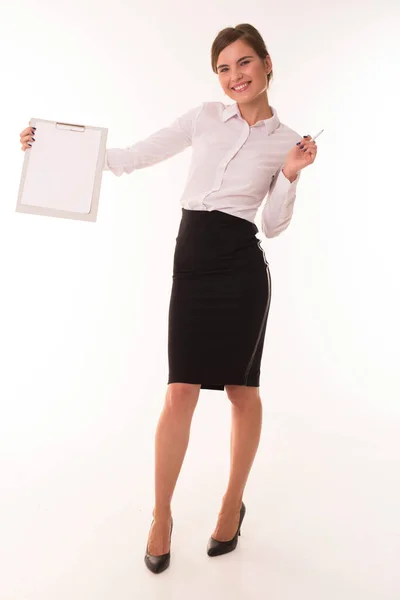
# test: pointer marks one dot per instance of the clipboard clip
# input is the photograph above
(71, 127)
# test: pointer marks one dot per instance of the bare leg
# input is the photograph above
(245, 438)
(171, 442)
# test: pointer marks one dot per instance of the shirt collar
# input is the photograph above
(270, 124)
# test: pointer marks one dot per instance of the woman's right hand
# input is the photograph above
(27, 138)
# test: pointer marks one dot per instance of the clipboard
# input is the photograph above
(62, 171)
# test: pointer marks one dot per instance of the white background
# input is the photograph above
(83, 309)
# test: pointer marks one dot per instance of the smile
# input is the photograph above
(242, 87)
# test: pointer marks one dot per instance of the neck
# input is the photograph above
(256, 110)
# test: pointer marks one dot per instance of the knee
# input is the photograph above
(242, 396)
(182, 398)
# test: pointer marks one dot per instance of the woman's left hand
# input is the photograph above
(298, 158)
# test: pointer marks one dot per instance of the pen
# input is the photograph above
(315, 137)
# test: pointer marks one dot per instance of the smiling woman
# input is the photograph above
(221, 283)
(241, 60)
(247, 34)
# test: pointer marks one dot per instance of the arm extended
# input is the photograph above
(159, 146)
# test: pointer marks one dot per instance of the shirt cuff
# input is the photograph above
(283, 185)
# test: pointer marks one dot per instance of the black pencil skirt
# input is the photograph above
(220, 299)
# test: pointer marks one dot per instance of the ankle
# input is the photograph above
(231, 504)
(162, 514)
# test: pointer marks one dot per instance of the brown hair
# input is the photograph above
(248, 34)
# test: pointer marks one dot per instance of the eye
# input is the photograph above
(244, 62)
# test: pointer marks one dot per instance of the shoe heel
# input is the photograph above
(215, 548)
(157, 564)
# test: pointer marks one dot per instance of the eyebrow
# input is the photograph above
(240, 59)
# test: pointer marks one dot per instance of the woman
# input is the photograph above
(221, 285)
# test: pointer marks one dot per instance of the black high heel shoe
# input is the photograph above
(157, 564)
(215, 548)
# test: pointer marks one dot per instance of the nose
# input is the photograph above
(237, 78)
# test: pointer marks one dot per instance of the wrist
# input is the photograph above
(291, 175)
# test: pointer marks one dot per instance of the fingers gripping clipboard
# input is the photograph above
(62, 171)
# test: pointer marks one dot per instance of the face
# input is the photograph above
(251, 68)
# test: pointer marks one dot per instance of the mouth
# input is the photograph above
(241, 88)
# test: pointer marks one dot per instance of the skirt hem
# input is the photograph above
(214, 386)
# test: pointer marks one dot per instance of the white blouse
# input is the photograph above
(233, 167)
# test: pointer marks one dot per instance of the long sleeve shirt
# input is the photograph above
(234, 166)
